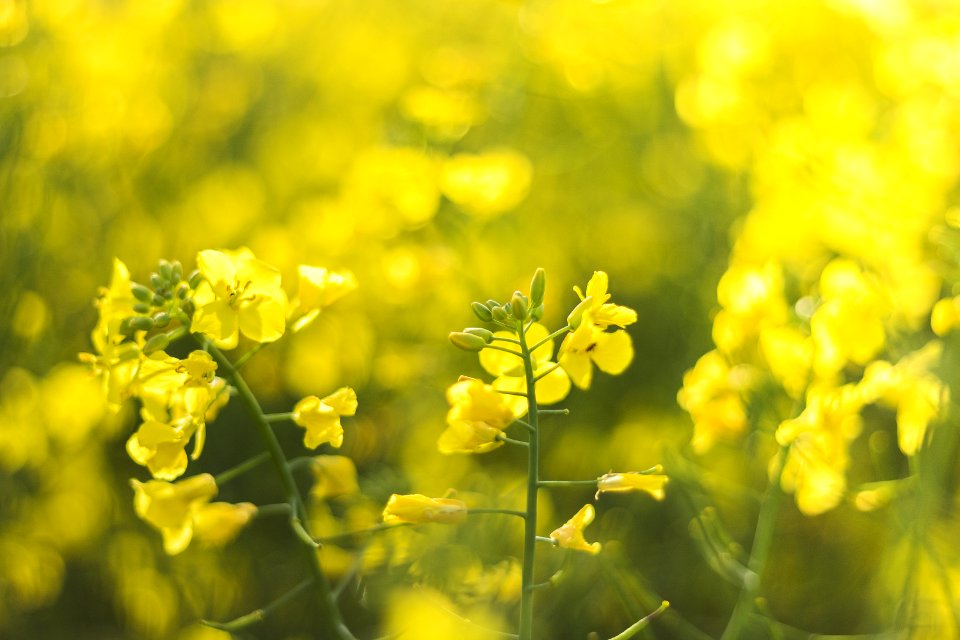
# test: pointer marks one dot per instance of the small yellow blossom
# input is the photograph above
(477, 415)
(418, 509)
(159, 446)
(333, 476)
(589, 345)
(945, 316)
(712, 394)
(651, 483)
(199, 368)
(321, 417)
(603, 313)
(570, 535)
(239, 294)
(218, 523)
(319, 288)
(170, 507)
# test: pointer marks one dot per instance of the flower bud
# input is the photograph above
(139, 323)
(177, 269)
(141, 307)
(519, 306)
(537, 312)
(158, 342)
(158, 300)
(162, 319)
(182, 291)
(537, 286)
(482, 311)
(480, 332)
(156, 281)
(195, 279)
(141, 293)
(500, 315)
(576, 316)
(467, 341)
(165, 271)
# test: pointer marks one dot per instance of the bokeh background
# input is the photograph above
(442, 151)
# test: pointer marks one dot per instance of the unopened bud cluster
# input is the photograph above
(166, 299)
(520, 309)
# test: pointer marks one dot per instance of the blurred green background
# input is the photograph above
(441, 151)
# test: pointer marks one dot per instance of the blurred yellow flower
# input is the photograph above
(321, 417)
(170, 507)
(333, 476)
(945, 316)
(160, 446)
(218, 523)
(651, 483)
(239, 294)
(570, 535)
(419, 509)
(486, 184)
(318, 288)
(712, 395)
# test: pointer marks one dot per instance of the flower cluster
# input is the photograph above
(231, 294)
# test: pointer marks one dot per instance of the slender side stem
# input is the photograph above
(504, 349)
(242, 360)
(501, 339)
(248, 464)
(330, 614)
(760, 551)
(252, 618)
(278, 417)
(511, 393)
(558, 332)
(546, 540)
(543, 374)
(533, 480)
(554, 412)
(567, 483)
(267, 510)
(519, 443)
(640, 624)
(506, 512)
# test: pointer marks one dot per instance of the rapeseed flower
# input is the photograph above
(570, 535)
(651, 483)
(321, 417)
(419, 509)
(239, 294)
(170, 507)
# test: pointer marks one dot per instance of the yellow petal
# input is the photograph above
(613, 353)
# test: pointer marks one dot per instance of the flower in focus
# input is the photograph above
(589, 345)
(651, 483)
(218, 523)
(239, 294)
(418, 509)
(477, 415)
(159, 446)
(603, 313)
(318, 289)
(570, 535)
(170, 507)
(333, 476)
(321, 417)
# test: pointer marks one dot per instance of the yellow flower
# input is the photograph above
(486, 184)
(321, 417)
(477, 415)
(218, 523)
(711, 393)
(651, 483)
(418, 509)
(160, 446)
(551, 388)
(319, 288)
(333, 476)
(590, 345)
(199, 368)
(570, 535)
(170, 507)
(945, 316)
(603, 313)
(240, 294)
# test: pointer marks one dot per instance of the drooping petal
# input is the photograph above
(613, 352)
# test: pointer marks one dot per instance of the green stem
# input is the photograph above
(760, 551)
(549, 541)
(567, 483)
(533, 480)
(267, 510)
(558, 332)
(523, 423)
(511, 393)
(504, 349)
(330, 614)
(249, 354)
(554, 412)
(543, 374)
(510, 340)
(519, 443)
(278, 417)
(240, 469)
(641, 624)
